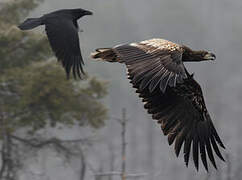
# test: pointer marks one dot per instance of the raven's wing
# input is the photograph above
(152, 63)
(183, 116)
(64, 40)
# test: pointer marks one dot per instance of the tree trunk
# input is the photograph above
(123, 123)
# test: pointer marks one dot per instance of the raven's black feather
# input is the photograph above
(62, 31)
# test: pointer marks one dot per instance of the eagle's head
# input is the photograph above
(208, 56)
(190, 55)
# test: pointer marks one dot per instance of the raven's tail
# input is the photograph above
(30, 23)
(106, 54)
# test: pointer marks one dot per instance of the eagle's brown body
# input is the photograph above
(171, 95)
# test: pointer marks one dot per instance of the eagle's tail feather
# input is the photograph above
(106, 54)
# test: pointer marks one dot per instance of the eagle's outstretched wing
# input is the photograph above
(152, 63)
(64, 40)
(183, 116)
(180, 108)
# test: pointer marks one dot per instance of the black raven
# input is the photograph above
(62, 31)
(170, 94)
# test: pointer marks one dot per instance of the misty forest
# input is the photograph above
(96, 128)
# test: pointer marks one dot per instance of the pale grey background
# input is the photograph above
(213, 25)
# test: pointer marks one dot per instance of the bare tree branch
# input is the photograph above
(83, 166)
(3, 158)
(123, 175)
(35, 143)
(124, 143)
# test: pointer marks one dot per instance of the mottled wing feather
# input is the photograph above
(64, 41)
(180, 110)
(183, 117)
(153, 63)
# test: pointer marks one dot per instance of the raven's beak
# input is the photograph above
(88, 13)
(209, 56)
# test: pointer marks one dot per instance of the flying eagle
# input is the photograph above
(62, 31)
(155, 68)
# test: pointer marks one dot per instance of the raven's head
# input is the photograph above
(78, 13)
(190, 55)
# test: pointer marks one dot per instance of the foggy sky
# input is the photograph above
(213, 25)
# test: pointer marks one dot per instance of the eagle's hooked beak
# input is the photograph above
(209, 56)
